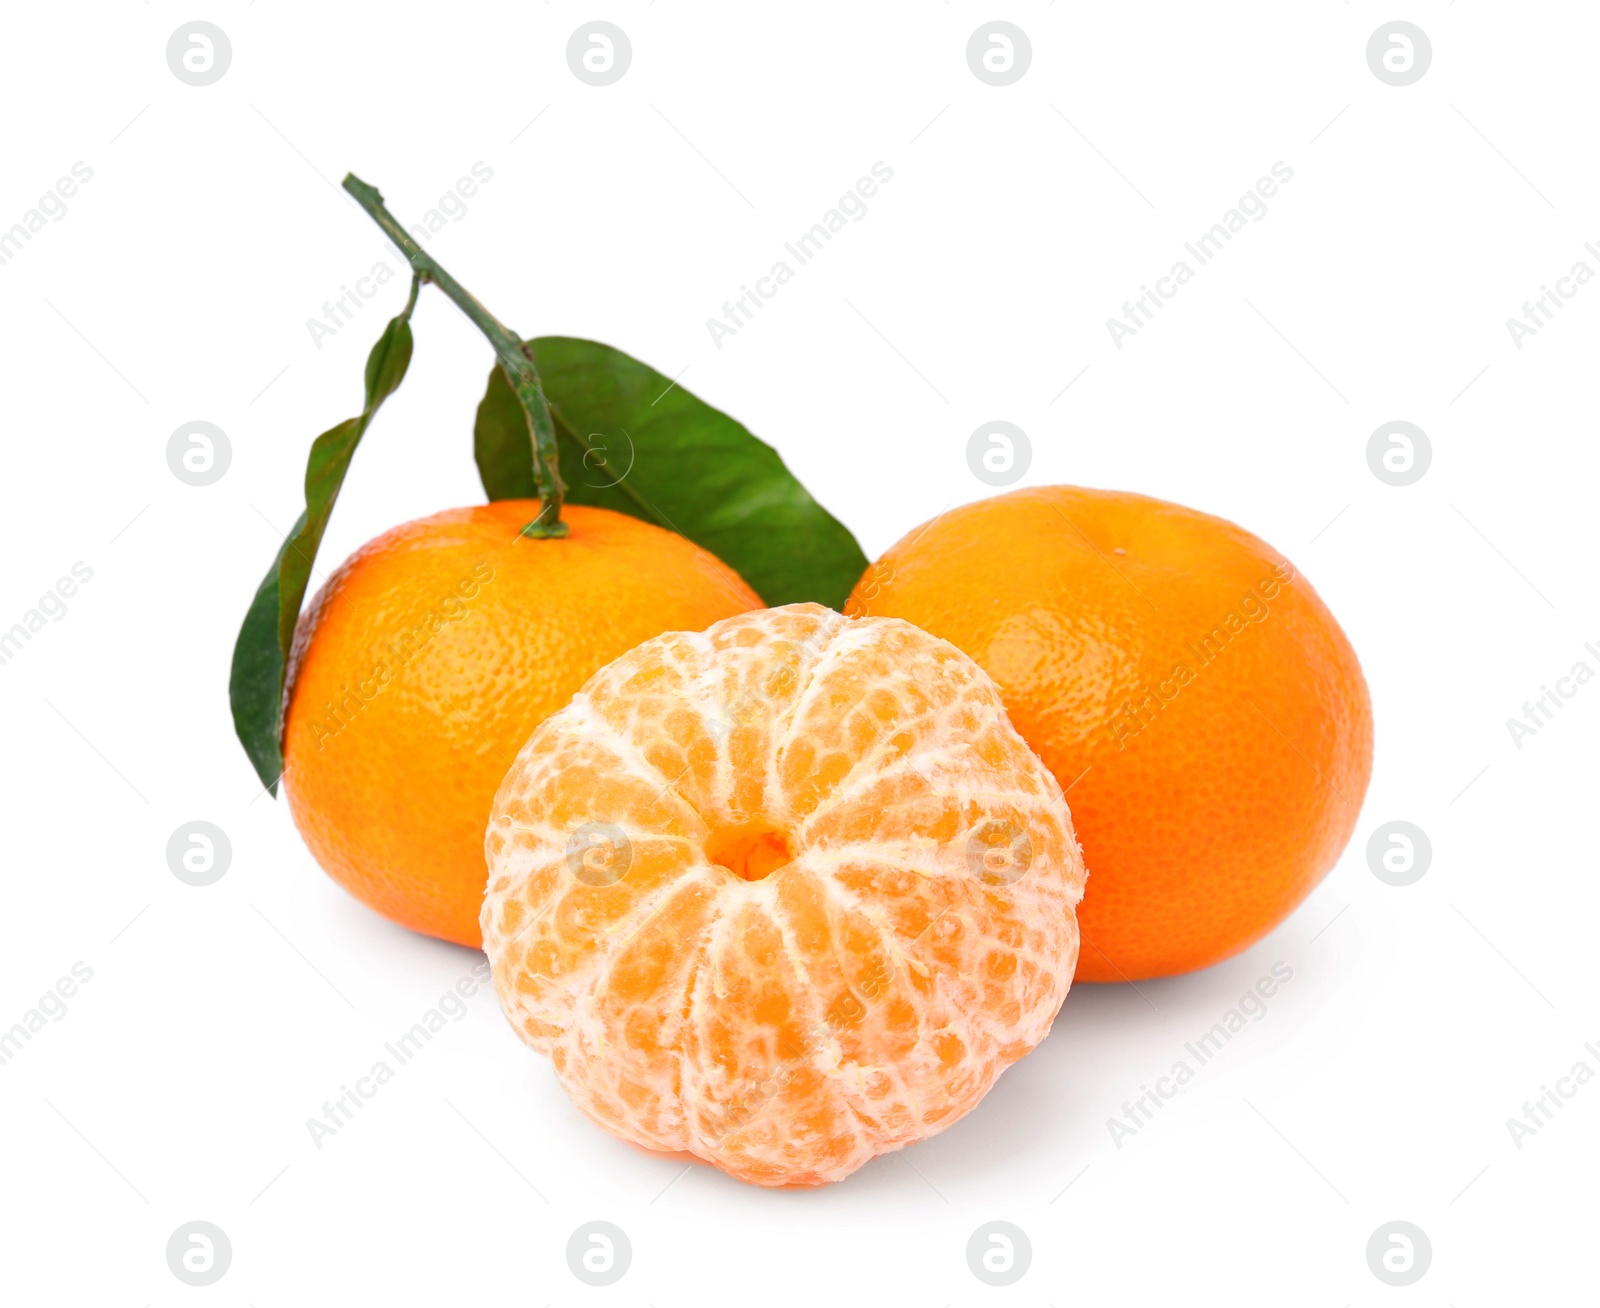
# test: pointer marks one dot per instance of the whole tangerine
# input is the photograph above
(1198, 703)
(429, 657)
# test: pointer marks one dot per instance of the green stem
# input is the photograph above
(411, 300)
(515, 359)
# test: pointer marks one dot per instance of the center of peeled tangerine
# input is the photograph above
(750, 853)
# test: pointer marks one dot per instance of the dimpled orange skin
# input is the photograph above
(429, 657)
(1199, 705)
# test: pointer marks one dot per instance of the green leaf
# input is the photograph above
(261, 654)
(632, 441)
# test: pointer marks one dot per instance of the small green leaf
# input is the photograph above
(261, 653)
(255, 685)
(632, 441)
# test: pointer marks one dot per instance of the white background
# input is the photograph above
(178, 287)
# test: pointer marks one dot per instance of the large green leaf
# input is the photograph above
(261, 653)
(632, 441)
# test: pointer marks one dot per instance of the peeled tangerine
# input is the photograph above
(785, 894)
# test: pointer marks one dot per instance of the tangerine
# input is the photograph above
(1189, 689)
(428, 658)
(784, 895)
